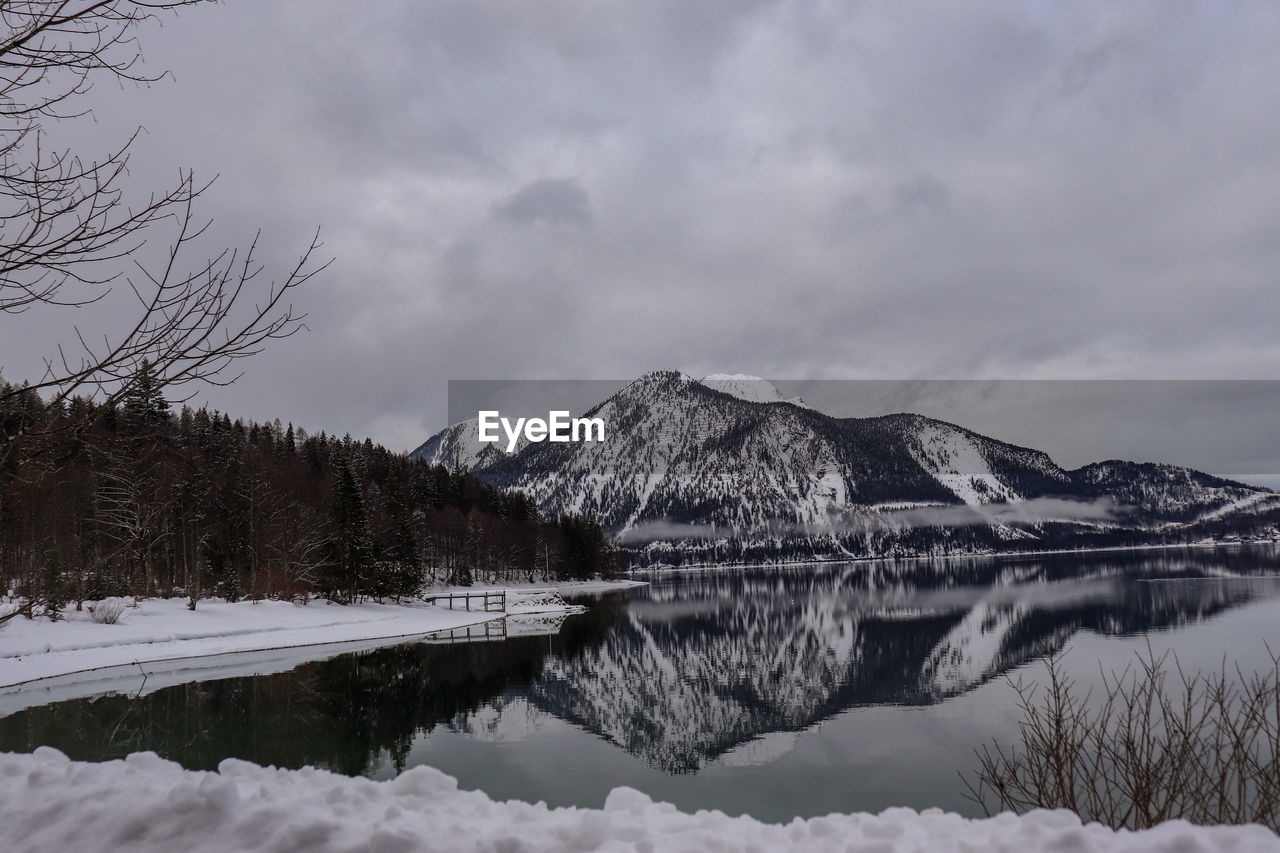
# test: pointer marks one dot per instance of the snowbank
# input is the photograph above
(163, 630)
(145, 803)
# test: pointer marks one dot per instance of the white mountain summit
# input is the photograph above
(753, 389)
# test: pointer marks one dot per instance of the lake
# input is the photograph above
(776, 692)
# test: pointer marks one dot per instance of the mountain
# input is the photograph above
(726, 470)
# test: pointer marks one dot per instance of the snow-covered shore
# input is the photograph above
(1201, 545)
(164, 630)
(144, 803)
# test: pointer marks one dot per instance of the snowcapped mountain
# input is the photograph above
(726, 469)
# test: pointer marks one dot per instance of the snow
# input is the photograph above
(143, 679)
(753, 389)
(144, 803)
(457, 445)
(955, 460)
(164, 630)
(1247, 502)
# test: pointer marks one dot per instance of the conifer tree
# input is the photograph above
(144, 402)
(353, 548)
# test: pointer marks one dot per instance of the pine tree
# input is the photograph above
(354, 552)
(144, 402)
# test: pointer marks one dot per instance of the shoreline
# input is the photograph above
(163, 632)
(702, 567)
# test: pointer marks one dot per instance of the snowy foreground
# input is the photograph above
(160, 631)
(145, 803)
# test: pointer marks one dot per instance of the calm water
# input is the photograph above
(778, 693)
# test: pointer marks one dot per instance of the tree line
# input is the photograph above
(102, 499)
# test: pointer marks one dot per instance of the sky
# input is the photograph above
(807, 190)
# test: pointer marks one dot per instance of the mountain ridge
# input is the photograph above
(764, 477)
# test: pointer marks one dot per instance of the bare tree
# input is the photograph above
(132, 515)
(71, 229)
(302, 550)
(1159, 743)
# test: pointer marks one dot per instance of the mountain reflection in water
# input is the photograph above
(707, 662)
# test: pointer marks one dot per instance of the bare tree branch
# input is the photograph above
(70, 231)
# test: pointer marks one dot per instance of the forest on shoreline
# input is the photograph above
(99, 500)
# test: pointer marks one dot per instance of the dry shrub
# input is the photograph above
(1162, 744)
(109, 611)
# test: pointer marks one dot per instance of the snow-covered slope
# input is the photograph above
(680, 452)
(955, 460)
(458, 446)
(726, 459)
(753, 389)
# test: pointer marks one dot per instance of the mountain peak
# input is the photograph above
(753, 389)
(660, 376)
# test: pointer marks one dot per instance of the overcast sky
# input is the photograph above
(804, 190)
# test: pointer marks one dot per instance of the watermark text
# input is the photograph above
(558, 427)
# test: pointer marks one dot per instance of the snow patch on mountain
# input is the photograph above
(1256, 502)
(459, 446)
(957, 462)
(753, 389)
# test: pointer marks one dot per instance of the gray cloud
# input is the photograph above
(924, 191)
(981, 190)
(551, 201)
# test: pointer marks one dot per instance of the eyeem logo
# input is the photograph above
(557, 427)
